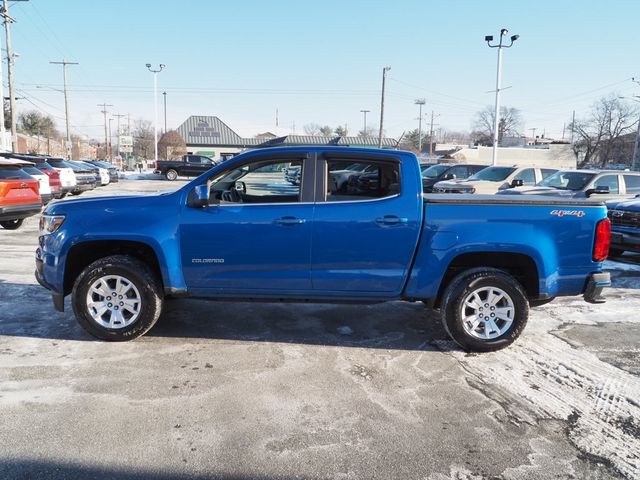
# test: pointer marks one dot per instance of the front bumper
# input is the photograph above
(595, 285)
(57, 298)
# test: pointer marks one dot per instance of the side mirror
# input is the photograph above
(200, 196)
(241, 187)
(518, 182)
(449, 176)
(600, 190)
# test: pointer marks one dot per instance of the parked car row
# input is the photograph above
(27, 182)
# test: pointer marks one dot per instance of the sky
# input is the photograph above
(321, 62)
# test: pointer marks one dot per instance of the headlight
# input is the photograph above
(50, 223)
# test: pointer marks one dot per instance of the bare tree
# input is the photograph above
(370, 132)
(172, 146)
(510, 124)
(598, 135)
(143, 138)
(313, 129)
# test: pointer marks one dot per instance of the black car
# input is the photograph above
(447, 171)
(113, 170)
(625, 226)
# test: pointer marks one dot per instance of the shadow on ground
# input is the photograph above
(28, 312)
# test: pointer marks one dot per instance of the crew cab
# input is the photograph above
(235, 234)
(188, 166)
(625, 225)
(19, 194)
(494, 179)
(606, 184)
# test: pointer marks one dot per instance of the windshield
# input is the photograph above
(567, 180)
(493, 174)
(435, 171)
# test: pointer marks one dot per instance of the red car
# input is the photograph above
(19, 195)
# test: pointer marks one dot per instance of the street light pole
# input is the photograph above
(420, 102)
(106, 141)
(155, 106)
(164, 94)
(496, 122)
(384, 79)
(364, 112)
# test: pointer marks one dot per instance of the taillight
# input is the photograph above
(602, 240)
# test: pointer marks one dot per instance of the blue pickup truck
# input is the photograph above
(241, 232)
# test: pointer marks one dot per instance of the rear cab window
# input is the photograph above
(632, 183)
(357, 180)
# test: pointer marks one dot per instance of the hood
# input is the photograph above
(129, 204)
(631, 205)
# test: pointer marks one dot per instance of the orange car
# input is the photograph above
(19, 195)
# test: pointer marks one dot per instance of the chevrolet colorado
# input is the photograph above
(241, 232)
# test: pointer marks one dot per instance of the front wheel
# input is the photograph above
(171, 174)
(12, 224)
(117, 298)
(484, 309)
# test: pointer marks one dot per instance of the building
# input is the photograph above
(208, 135)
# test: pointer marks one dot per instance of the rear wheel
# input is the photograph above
(12, 224)
(117, 298)
(171, 174)
(484, 309)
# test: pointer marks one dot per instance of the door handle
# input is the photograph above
(391, 220)
(286, 221)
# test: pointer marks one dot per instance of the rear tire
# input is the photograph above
(171, 174)
(12, 224)
(117, 298)
(484, 309)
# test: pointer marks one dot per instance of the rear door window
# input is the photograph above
(363, 180)
(632, 183)
(460, 172)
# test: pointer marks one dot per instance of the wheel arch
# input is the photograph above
(83, 254)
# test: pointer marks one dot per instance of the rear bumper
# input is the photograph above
(17, 212)
(595, 285)
(83, 187)
(625, 241)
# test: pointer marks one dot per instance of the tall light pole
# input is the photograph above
(164, 94)
(155, 106)
(496, 123)
(106, 141)
(364, 130)
(64, 64)
(420, 102)
(384, 79)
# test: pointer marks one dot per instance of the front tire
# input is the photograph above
(12, 224)
(484, 309)
(117, 298)
(171, 174)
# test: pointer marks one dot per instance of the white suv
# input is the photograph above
(494, 179)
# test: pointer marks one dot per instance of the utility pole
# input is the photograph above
(364, 112)
(3, 133)
(431, 137)
(164, 94)
(118, 116)
(384, 79)
(10, 60)
(64, 64)
(110, 137)
(573, 126)
(420, 102)
(533, 134)
(155, 106)
(496, 124)
(104, 112)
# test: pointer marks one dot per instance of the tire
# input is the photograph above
(484, 282)
(615, 252)
(77, 193)
(12, 224)
(171, 174)
(138, 286)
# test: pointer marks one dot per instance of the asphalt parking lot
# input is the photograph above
(244, 391)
